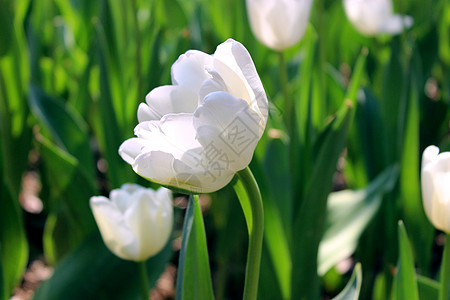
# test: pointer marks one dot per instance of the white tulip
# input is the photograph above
(136, 223)
(196, 134)
(372, 17)
(436, 187)
(279, 24)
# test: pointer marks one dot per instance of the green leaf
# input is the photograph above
(70, 219)
(444, 34)
(194, 276)
(170, 14)
(13, 242)
(6, 27)
(276, 163)
(229, 239)
(93, 272)
(107, 120)
(405, 279)
(410, 193)
(348, 214)
(356, 79)
(68, 129)
(304, 81)
(310, 219)
(275, 235)
(351, 290)
(245, 204)
(3, 293)
(428, 288)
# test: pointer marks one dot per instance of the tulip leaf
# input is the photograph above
(229, 240)
(405, 280)
(351, 290)
(194, 275)
(68, 129)
(13, 243)
(309, 221)
(276, 163)
(70, 218)
(275, 236)
(3, 293)
(348, 214)
(428, 288)
(245, 204)
(411, 202)
(357, 76)
(93, 272)
(108, 127)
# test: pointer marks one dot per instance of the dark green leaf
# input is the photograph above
(93, 272)
(68, 129)
(351, 290)
(405, 279)
(275, 237)
(410, 192)
(194, 275)
(309, 221)
(6, 26)
(13, 243)
(428, 288)
(70, 217)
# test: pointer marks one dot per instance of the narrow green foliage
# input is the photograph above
(77, 276)
(194, 276)
(405, 279)
(351, 290)
(309, 220)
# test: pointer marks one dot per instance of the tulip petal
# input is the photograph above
(227, 129)
(114, 230)
(150, 222)
(396, 23)
(169, 153)
(375, 17)
(189, 70)
(233, 59)
(279, 24)
(168, 99)
(435, 186)
(131, 148)
(200, 177)
(172, 134)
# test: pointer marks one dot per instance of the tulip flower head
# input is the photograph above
(436, 187)
(373, 17)
(136, 222)
(279, 24)
(195, 134)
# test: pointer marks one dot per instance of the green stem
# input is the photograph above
(445, 270)
(322, 44)
(255, 234)
(143, 277)
(291, 126)
(288, 105)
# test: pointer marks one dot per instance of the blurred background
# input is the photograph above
(73, 72)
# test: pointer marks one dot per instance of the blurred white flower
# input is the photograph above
(136, 222)
(436, 187)
(196, 134)
(279, 24)
(372, 17)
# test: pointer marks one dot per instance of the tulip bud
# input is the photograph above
(279, 24)
(195, 134)
(136, 222)
(436, 187)
(373, 17)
